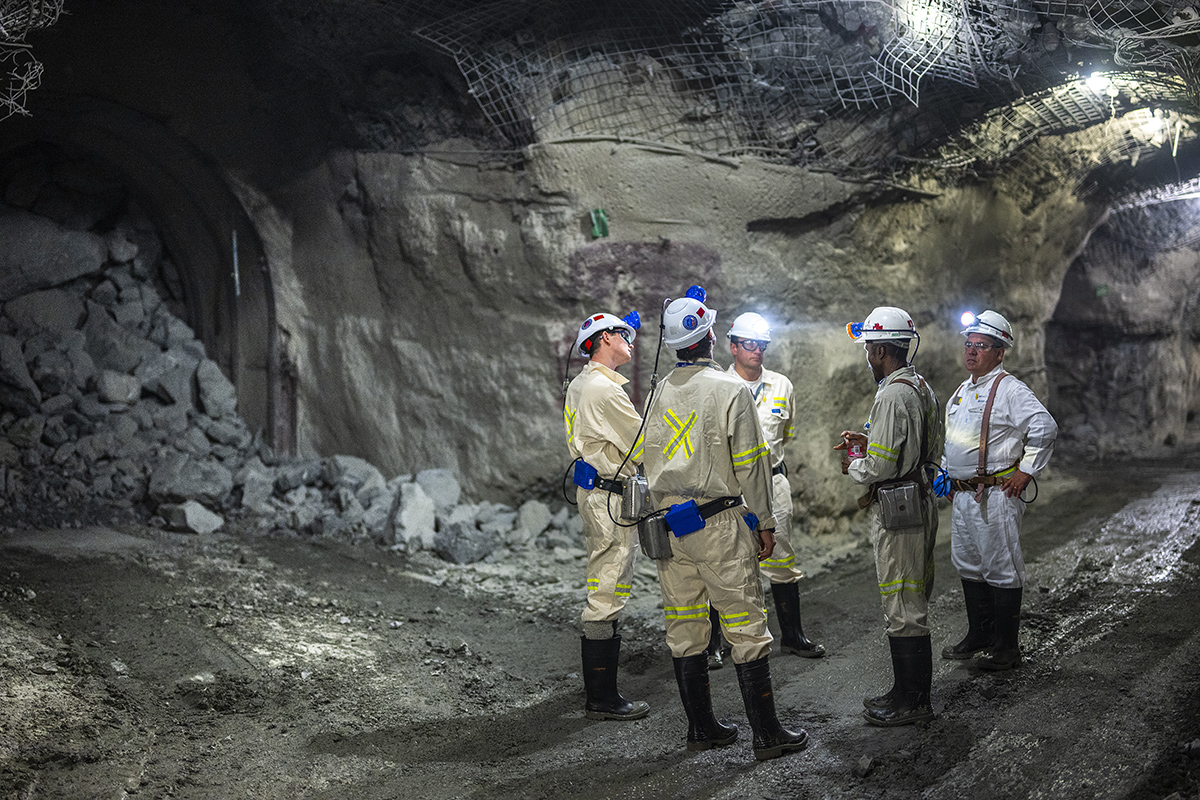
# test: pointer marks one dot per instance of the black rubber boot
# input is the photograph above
(600, 682)
(716, 642)
(771, 740)
(981, 622)
(886, 699)
(705, 731)
(787, 607)
(912, 661)
(1006, 653)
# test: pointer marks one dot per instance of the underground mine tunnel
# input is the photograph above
(289, 291)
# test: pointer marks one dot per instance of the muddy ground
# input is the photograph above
(144, 663)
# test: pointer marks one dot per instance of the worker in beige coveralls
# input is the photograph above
(775, 402)
(704, 445)
(602, 426)
(905, 430)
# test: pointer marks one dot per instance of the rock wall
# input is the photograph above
(1124, 349)
(429, 301)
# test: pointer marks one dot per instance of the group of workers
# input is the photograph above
(710, 451)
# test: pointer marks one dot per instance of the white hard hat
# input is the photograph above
(687, 320)
(884, 324)
(989, 323)
(597, 323)
(751, 326)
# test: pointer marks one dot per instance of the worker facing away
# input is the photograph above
(705, 456)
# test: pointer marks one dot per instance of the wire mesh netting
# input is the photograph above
(846, 85)
(22, 73)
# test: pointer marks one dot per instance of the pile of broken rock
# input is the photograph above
(108, 399)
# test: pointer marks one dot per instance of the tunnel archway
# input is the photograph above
(1123, 345)
(221, 263)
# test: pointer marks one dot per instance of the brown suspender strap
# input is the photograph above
(987, 419)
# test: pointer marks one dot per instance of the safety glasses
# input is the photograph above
(753, 344)
(978, 346)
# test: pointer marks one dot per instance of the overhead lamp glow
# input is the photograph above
(1098, 82)
(928, 21)
(967, 319)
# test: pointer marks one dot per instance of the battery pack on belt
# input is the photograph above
(685, 518)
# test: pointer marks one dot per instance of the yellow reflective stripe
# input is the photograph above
(902, 585)
(881, 452)
(781, 401)
(1007, 472)
(779, 562)
(789, 431)
(639, 448)
(751, 455)
(569, 416)
(686, 612)
(735, 620)
(593, 584)
(882, 447)
(682, 429)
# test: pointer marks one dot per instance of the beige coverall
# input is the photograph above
(703, 441)
(900, 419)
(601, 427)
(775, 402)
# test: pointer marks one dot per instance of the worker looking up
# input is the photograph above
(602, 427)
(705, 450)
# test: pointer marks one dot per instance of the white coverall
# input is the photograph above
(703, 442)
(602, 425)
(775, 402)
(901, 419)
(985, 537)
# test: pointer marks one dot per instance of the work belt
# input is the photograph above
(779, 470)
(974, 483)
(709, 509)
(714, 507)
(616, 487)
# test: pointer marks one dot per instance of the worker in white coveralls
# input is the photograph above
(602, 428)
(904, 432)
(774, 399)
(705, 456)
(998, 438)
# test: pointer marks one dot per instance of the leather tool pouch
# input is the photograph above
(654, 537)
(900, 506)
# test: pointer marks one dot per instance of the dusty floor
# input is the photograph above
(139, 662)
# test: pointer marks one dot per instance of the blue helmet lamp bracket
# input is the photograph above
(684, 518)
(632, 320)
(854, 330)
(584, 475)
(697, 292)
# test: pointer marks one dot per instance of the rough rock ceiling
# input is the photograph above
(860, 87)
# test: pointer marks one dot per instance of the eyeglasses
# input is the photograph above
(753, 344)
(977, 346)
(624, 334)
